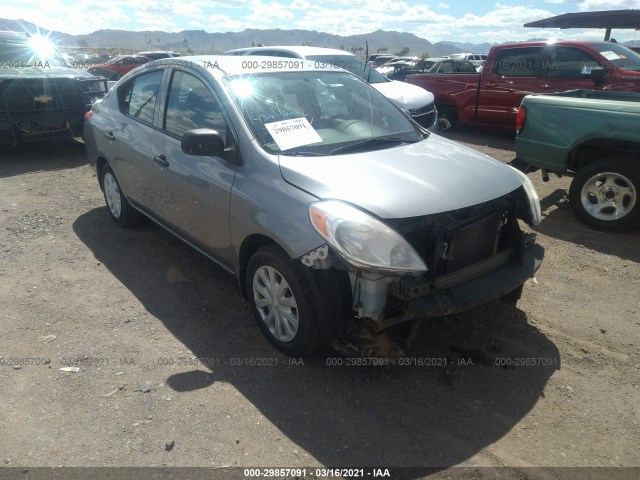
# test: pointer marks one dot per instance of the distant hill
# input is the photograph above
(203, 42)
(470, 47)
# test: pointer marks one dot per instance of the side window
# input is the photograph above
(191, 105)
(138, 97)
(517, 62)
(567, 62)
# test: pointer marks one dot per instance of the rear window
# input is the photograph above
(138, 97)
(517, 62)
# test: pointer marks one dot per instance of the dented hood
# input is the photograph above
(432, 176)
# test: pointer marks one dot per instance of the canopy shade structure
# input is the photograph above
(625, 19)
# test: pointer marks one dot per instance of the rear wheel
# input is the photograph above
(282, 302)
(605, 194)
(119, 208)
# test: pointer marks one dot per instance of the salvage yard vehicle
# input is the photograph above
(416, 101)
(115, 68)
(41, 97)
(491, 98)
(594, 135)
(330, 206)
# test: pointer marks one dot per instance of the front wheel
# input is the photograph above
(605, 194)
(282, 302)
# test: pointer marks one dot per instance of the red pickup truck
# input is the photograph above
(492, 97)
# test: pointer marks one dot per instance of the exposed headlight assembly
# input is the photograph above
(363, 241)
(532, 195)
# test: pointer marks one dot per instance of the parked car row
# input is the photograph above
(300, 171)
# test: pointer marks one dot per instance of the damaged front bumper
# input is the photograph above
(483, 282)
(473, 286)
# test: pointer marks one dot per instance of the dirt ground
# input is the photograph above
(173, 370)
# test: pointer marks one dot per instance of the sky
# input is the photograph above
(475, 21)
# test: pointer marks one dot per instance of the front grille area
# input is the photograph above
(425, 116)
(451, 241)
(38, 95)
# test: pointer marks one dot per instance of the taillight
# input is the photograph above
(520, 118)
(87, 116)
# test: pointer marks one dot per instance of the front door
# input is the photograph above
(193, 192)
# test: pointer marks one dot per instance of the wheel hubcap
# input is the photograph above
(608, 196)
(275, 303)
(112, 195)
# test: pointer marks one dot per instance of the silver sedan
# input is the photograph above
(330, 205)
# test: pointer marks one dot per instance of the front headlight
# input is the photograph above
(363, 241)
(532, 195)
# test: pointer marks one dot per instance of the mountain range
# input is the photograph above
(202, 42)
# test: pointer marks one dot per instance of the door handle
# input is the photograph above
(109, 136)
(546, 86)
(161, 160)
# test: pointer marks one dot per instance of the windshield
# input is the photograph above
(620, 56)
(354, 64)
(315, 113)
(20, 51)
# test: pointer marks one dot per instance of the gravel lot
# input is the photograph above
(163, 341)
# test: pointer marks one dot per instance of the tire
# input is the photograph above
(282, 302)
(119, 208)
(604, 194)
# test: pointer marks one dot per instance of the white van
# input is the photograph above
(416, 101)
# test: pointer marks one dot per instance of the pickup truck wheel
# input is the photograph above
(282, 302)
(605, 194)
(119, 208)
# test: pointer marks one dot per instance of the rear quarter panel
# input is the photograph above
(555, 125)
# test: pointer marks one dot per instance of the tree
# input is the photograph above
(402, 52)
(382, 49)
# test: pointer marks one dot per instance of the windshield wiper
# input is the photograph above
(300, 153)
(371, 142)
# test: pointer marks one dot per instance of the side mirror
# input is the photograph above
(598, 75)
(202, 142)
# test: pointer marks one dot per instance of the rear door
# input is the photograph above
(502, 88)
(129, 138)
(192, 194)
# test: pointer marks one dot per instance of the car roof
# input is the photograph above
(221, 65)
(301, 51)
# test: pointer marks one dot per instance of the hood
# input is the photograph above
(49, 72)
(405, 95)
(433, 176)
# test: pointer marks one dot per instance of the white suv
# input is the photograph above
(416, 101)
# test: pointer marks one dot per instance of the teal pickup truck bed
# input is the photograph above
(594, 135)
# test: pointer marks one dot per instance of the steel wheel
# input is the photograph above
(276, 303)
(283, 302)
(112, 195)
(604, 194)
(608, 196)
